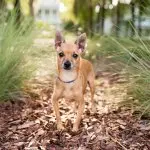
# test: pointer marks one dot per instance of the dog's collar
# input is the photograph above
(66, 81)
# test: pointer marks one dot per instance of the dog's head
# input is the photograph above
(69, 53)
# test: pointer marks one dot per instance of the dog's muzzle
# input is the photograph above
(67, 65)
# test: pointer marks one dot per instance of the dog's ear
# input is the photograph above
(58, 39)
(81, 42)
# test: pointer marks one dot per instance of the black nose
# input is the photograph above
(67, 65)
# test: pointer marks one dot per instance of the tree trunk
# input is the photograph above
(118, 19)
(133, 18)
(31, 8)
(98, 20)
(2, 7)
(103, 17)
(17, 11)
(2, 4)
(140, 18)
(90, 18)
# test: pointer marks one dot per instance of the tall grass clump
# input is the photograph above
(131, 56)
(139, 71)
(108, 54)
(15, 42)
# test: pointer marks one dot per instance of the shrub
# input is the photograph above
(131, 56)
(14, 47)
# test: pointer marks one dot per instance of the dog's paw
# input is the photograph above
(75, 129)
(76, 132)
(60, 127)
(93, 109)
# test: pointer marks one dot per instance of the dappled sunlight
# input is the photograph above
(34, 124)
(111, 34)
(34, 120)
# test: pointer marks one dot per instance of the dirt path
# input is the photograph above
(29, 124)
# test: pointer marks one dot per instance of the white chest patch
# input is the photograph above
(68, 76)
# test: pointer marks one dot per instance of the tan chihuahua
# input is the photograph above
(74, 73)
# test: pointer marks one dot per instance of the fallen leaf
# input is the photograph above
(40, 132)
(111, 146)
(82, 148)
(26, 125)
(121, 122)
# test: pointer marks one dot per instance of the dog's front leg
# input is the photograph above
(79, 114)
(55, 99)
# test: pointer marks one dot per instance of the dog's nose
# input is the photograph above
(67, 65)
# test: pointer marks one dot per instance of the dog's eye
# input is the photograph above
(75, 55)
(61, 54)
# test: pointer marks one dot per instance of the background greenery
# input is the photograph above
(127, 47)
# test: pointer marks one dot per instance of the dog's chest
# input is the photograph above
(72, 91)
(68, 91)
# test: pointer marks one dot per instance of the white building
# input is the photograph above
(48, 11)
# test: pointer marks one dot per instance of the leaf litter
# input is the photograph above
(29, 122)
(31, 125)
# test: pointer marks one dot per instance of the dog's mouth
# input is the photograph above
(67, 68)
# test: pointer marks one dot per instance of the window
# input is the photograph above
(47, 12)
(39, 12)
(54, 12)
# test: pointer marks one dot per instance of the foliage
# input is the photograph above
(85, 14)
(14, 47)
(120, 14)
(130, 56)
(70, 15)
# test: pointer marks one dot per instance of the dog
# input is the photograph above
(74, 74)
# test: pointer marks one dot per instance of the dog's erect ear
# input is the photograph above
(58, 39)
(81, 42)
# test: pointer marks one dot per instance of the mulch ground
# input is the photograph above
(29, 123)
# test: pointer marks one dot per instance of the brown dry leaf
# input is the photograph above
(15, 122)
(82, 148)
(9, 134)
(15, 137)
(102, 137)
(31, 148)
(32, 142)
(26, 125)
(93, 137)
(146, 128)
(19, 144)
(121, 122)
(111, 146)
(90, 128)
(122, 127)
(40, 132)
(95, 132)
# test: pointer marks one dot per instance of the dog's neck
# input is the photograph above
(68, 75)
